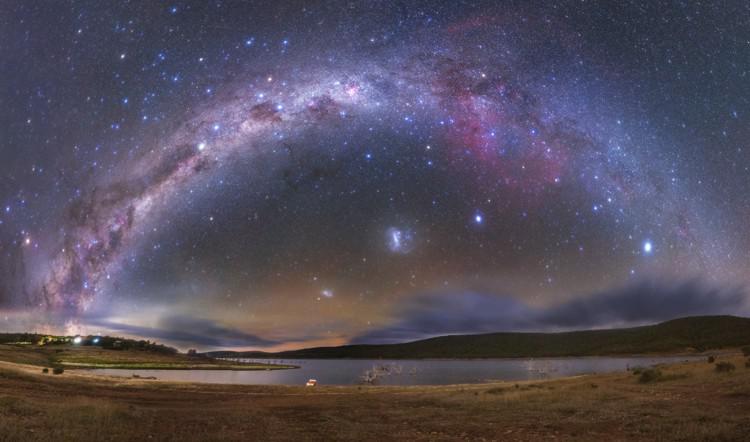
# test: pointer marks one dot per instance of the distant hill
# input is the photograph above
(692, 334)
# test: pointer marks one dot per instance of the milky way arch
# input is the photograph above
(487, 111)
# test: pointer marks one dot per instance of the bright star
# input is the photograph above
(648, 247)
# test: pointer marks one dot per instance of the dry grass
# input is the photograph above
(691, 402)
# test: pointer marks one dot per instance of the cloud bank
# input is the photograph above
(444, 313)
(644, 302)
(192, 331)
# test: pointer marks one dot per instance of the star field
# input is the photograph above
(300, 173)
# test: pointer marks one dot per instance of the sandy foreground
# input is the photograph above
(689, 401)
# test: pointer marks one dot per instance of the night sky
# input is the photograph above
(283, 174)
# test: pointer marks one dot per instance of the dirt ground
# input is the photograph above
(690, 401)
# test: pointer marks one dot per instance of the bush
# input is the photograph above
(747, 363)
(711, 359)
(746, 350)
(45, 370)
(58, 370)
(724, 367)
(637, 370)
(649, 375)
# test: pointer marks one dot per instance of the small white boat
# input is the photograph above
(311, 383)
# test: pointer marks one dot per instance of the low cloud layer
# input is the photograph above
(646, 302)
(434, 314)
(192, 331)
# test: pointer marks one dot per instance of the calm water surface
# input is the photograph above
(404, 372)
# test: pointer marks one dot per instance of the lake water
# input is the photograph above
(404, 372)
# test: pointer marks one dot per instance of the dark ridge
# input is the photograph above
(684, 335)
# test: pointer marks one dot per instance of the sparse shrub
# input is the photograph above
(724, 367)
(45, 370)
(58, 370)
(711, 359)
(746, 350)
(649, 375)
(637, 370)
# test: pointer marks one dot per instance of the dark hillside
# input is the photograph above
(693, 334)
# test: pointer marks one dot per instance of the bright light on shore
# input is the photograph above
(77, 340)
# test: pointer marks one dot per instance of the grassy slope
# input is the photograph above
(693, 403)
(680, 335)
(95, 357)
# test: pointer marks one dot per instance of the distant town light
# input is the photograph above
(77, 340)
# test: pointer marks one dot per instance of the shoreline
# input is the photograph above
(650, 361)
(91, 375)
(168, 367)
(517, 358)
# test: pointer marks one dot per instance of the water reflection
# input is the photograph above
(403, 372)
